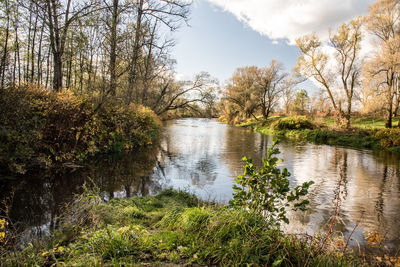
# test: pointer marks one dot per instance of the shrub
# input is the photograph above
(126, 127)
(266, 191)
(292, 123)
(39, 128)
(388, 137)
(3, 228)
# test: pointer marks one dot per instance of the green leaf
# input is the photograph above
(266, 190)
(277, 262)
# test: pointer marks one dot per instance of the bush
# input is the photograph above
(388, 137)
(266, 191)
(292, 123)
(126, 127)
(39, 128)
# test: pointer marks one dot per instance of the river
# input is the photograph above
(203, 156)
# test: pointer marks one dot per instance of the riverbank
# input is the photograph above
(41, 129)
(366, 133)
(173, 227)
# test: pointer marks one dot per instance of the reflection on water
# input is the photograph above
(34, 202)
(203, 156)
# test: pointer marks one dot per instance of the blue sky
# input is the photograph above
(217, 42)
(227, 34)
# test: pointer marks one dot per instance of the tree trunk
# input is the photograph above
(113, 48)
(148, 65)
(48, 69)
(346, 121)
(81, 73)
(33, 50)
(390, 96)
(135, 52)
(69, 61)
(342, 120)
(265, 112)
(347, 116)
(18, 55)
(58, 35)
(389, 113)
(396, 96)
(57, 72)
(69, 71)
(396, 111)
(27, 61)
(5, 48)
(39, 57)
(76, 77)
(90, 72)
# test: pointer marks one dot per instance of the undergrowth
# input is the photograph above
(41, 129)
(172, 227)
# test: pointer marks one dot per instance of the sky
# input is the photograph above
(226, 34)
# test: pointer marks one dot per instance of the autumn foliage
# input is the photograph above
(39, 128)
(389, 137)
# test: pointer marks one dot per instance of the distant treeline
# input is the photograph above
(346, 77)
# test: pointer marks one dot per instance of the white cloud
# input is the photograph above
(181, 77)
(289, 19)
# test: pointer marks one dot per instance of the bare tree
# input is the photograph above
(167, 12)
(269, 87)
(177, 95)
(314, 63)
(59, 16)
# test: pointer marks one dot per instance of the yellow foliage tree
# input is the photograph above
(254, 89)
(314, 62)
(383, 69)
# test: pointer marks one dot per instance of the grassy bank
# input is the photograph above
(364, 122)
(173, 227)
(367, 133)
(41, 129)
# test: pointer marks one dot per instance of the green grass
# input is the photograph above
(358, 122)
(172, 227)
(366, 132)
(372, 122)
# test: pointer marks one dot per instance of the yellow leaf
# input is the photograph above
(373, 238)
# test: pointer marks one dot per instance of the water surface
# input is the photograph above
(203, 156)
